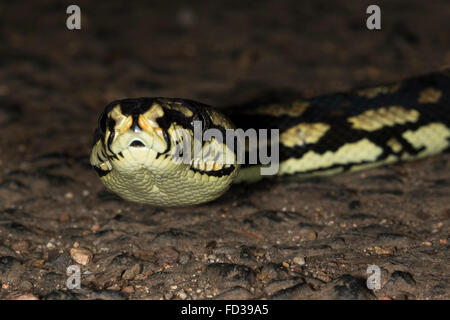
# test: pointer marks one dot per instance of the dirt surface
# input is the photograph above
(282, 239)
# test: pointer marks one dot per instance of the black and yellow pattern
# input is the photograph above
(323, 135)
(358, 129)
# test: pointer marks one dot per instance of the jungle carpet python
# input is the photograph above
(323, 135)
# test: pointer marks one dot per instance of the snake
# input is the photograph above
(136, 138)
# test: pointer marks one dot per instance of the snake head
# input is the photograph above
(140, 147)
(128, 129)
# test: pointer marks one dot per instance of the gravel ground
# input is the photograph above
(282, 239)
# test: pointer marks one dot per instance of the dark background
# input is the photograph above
(284, 239)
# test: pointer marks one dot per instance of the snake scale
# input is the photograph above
(328, 134)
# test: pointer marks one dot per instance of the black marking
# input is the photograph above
(103, 154)
(98, 135)
(135, 126)
(135, 106)
(101, 172)
(219, 173)
(111, 123)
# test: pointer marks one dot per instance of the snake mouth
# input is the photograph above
(137, 143)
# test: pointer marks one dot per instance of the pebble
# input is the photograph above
(379, 250)
(299, 260)
(68, 195)
(182, 295)
(81, 256)
(307, 234)
(322, 276)
(50, 245)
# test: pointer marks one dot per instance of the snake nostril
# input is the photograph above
(137, 143)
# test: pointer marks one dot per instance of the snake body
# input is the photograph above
(346, 131)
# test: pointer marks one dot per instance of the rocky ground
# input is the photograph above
(281, 239)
